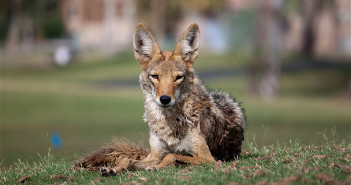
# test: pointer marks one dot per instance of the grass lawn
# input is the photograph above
(327, 163)
(78, 104)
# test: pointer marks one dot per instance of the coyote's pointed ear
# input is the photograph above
(188, 44)
(144, 44)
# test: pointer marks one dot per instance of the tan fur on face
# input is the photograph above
(166, 69)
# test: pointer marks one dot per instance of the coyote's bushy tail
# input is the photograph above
(112, 155)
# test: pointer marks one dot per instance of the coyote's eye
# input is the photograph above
(179, 77)
(154, 76)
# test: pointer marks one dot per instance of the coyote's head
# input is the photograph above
(166, 74)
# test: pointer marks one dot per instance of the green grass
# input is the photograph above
(271, 163)
(74, 102)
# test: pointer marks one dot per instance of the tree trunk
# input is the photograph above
(265, 69)
(158, 19)
(309, 13)
(13, 35)
(109, 18)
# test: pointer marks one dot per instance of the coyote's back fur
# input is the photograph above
(187, 123)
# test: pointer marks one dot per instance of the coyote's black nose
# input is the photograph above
(164, 99)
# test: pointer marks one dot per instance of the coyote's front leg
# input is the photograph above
(152, 159)
(158, 151)
(200, 153)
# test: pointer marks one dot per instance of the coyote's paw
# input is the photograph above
(105, 172)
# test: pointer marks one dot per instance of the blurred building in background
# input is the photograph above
(96, 25)
(334, 29)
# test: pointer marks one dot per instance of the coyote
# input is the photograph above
(188, 124)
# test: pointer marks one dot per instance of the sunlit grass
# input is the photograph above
(287, 163)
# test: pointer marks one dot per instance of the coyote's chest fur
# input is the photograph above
(170, 125)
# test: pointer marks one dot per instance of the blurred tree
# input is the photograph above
(159, 15)
(163, 15)
(13, 33)
(158, 19)
(265, 69)
(4, 20)
(203, 6)
(46, 17)
(32, 20)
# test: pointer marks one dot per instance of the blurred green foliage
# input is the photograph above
(42, 17)
(4, 21)
(46, 16)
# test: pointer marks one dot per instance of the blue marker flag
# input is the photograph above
(56, 140)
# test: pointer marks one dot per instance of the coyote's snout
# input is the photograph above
(188, 123)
